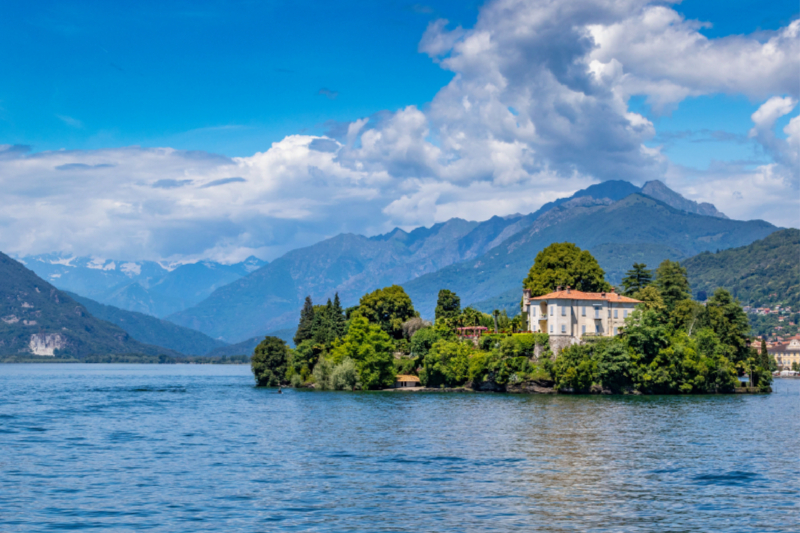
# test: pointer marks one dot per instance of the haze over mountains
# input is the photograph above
(484, 262)
(143, 286)
(36, 318)
(615, 218)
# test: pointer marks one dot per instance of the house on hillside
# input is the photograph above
(568, 315)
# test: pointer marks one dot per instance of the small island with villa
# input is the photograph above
(574, 333)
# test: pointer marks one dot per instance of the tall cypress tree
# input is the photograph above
(764, 355)
(339, 320)
(305, 329)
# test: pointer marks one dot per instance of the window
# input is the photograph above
(597, 328)
(552, 309)
(609, 313)
(563, 328)
(584, 311)
(551, 328)
(625, 313)
(597, 312)
(583, 329)
(615, 331)
(533, 311)
(615, 314)
(563, 311)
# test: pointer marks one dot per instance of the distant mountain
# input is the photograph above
(152, 330)
(247, 347)
(636, 228)
(659, 191)
(143, 286)
(38, 319)
(764, 273)
(270, 298)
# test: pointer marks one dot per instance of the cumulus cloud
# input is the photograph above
(537, 108)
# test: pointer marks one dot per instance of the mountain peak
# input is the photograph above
(658, 190)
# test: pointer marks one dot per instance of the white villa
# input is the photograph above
(574, 313)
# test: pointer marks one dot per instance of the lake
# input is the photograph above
(198, 448)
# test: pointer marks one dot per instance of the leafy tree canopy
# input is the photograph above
(269, 362)
(448, 305)
(562, 264)
(650, 298)
(371, 349)
(389, 308)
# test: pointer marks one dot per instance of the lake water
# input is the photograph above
(198, 448)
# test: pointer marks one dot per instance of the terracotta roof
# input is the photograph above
(404, 377)
(578, 295)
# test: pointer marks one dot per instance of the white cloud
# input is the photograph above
(536, 109)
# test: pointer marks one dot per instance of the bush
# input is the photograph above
(574, 368)
(322, 374)
(344, 376)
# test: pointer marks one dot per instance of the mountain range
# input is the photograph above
(144, 286)
(764, 273)
(37, 318)
(483, 262)
(636, 228)
(226, 309)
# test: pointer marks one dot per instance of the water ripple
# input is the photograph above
(197, 448)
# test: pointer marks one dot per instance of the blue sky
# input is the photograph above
(232, 78)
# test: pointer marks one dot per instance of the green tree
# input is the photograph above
(303, 359)
(448, 305)
(389, 308)
(574, 368)
(615, 368)
(422, 341)
(338, 318)
(371, 349)
(637, 279)
(726, 318)
(305, 329)
(651, 299)
(672, 283)
(764, 354)
(447, 363)
(564, 264)
(269, 362)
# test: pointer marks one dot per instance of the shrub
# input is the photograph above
(344, 376)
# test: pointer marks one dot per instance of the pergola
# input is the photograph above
(471, 332)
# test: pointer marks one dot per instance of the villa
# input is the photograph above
(574, 314)
(787, 353)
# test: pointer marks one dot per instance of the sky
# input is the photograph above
(218, 130)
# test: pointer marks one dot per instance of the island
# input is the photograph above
(574, 334)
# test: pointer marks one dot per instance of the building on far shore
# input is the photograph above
(786, 353)
(568, 315)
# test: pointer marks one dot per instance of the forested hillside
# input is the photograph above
(36, 318)
(151, 330)
(635, 229)
(764, 273)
